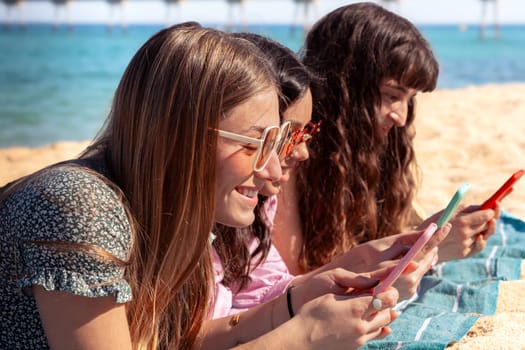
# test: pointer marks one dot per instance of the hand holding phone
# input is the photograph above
(504, 190)
(401, 266)
(453, 205)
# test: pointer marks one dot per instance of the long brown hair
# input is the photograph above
(160, 143)
(354, 188)
(158, 149)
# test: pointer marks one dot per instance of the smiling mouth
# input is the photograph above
(248, 192)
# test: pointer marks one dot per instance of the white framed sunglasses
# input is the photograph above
(272, 139)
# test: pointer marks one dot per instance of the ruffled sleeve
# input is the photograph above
(70, 232)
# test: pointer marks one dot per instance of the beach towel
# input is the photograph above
(455, 294)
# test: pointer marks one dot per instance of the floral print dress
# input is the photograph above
(72, 206)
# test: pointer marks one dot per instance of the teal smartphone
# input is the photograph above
(453, 205)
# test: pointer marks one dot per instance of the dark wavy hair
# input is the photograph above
(358, 187)
(231, 243)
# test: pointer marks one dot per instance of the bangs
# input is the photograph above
(413, 67)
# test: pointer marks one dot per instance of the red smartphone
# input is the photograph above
(402, 264)
(504, 190)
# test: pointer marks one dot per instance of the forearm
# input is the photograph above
(227, 332)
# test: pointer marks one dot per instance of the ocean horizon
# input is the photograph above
(57, 84)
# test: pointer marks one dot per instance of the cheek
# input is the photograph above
(232, 169)
(381, 115)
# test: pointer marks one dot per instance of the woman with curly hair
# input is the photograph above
(360, 181)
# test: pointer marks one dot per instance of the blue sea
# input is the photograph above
(57, 85)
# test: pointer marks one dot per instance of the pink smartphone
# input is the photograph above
(401, 266)
(504, 190)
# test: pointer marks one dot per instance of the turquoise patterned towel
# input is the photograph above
(457, 293)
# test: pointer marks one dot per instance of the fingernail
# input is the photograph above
(377, 304)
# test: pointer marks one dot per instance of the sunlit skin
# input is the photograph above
(393, 111)
(299, 114)
(237, 183)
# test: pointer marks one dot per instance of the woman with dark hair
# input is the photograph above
(360, 181)
(247, 257)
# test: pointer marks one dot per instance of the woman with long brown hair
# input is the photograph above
(112, 249)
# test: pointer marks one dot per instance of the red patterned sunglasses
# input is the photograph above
(298, 136)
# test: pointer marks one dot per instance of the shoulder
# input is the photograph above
(67, 203)
(72, 182)
(61, 183)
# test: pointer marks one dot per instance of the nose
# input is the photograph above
(272, 171)
(300, 152)
(399, 115)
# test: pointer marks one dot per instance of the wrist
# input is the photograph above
(279, 310)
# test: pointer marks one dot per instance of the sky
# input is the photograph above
(253, 11)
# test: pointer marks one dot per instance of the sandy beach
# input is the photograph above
(474, 134)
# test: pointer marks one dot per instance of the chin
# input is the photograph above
(273, 192)
(243, 220)
(269, 191)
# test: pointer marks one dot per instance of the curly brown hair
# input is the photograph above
(356, 188)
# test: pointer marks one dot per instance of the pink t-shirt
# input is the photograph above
(268, 280)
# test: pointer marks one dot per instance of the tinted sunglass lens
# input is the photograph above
(267, 147)
(284, 141)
